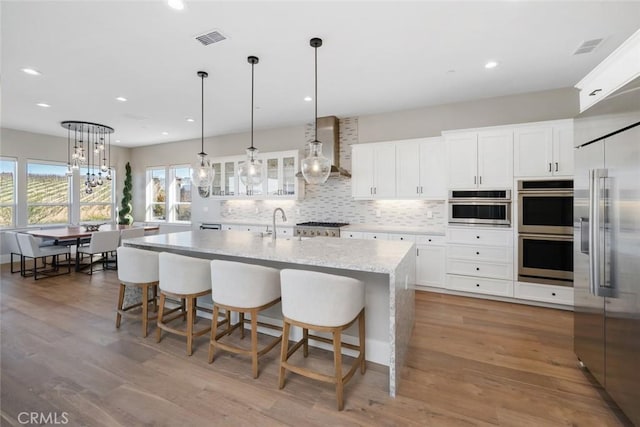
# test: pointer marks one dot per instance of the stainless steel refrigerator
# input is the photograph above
(607, 246)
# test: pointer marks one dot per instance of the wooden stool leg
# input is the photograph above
(214, 329)
(189, 326)
(120, 302)
(184, 309)
(363, 362)
(337, 360)
(254, 342)
(284, 349)
(145, 310)
(305, 343)
(160, 313)
(155, 298)
(241, 315)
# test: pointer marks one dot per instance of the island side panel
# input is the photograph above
(401, 315)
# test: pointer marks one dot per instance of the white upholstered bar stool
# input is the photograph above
(183, 278)
(243, 288)
(323, 303)
(139, 268)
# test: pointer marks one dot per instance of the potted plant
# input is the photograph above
(124, 215)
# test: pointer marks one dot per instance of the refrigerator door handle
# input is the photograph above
(592, 246)
(584, 235)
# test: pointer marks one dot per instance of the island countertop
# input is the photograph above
(386, 267)
(349, 254)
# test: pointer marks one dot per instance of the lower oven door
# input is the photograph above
(486, 212)
(545, 259)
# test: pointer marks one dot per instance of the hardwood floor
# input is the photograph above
(471, 362)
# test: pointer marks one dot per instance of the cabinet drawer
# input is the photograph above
(480, 269)
(481, 253)
(481, 236)
(375, 236)
(480, 285)
(545, 293)
(422, 239)
(403, 237)
(352, 235)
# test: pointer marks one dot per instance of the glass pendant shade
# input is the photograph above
(316, 167)
(203, 176)
(250, 171)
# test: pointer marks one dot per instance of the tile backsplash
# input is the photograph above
(332, 200)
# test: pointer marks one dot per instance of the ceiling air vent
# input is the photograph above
(210, 37)
(588, 46)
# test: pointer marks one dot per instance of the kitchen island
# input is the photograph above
(386, 267)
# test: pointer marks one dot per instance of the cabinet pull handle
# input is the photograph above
(477, 253)
(375, 190)
(549, 167)
(418, 190)
(417, 251)
(474, 180)
(421, 190)
(477, 237)
(480, 179)
(477, 268)
(478, 285)
(594, 93)
(556, 166)
(371, 190)
(553, 294)
(429, 239)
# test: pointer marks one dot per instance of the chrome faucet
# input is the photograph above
(284, 218)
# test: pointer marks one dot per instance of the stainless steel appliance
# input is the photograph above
(545, 207)
(607, 260)
(489, 207)
(545, 258)
(313, 229)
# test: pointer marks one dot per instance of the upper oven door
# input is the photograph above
(473, 212)
(545, 212)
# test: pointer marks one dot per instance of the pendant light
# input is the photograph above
(250, 171)
(203, 173)
(90, 156)
(316, 167)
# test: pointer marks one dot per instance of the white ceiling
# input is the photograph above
(377, 57)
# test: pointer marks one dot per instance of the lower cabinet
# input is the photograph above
(480, 285)
(430, 261)
(544, 293)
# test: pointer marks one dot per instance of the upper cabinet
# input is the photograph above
(279, 172)
(618, 69)
(544, 149)
(373, 173)
(480, 159)
(421, 169)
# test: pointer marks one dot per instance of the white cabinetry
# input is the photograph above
(480, 260)
(480, 159)
(430, 261)
(618, 69)
(373, 171)
(351, 235)
(280, 182)
(544, 293)
(420, 169)
(544, 150)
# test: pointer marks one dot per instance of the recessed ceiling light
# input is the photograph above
(121, 99)
(31, 71)
(491, 64)
(165, 133)
(308, 98)
(42, 104)
(189, 119)
(176, 4)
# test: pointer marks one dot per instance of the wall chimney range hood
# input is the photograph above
(329, 134)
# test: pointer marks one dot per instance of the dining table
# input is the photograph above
(78, 234)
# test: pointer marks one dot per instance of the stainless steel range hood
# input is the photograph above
(329, 135)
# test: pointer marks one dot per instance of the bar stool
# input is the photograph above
(324, 303)
(138, 268)
(184, 278)
(243, 288)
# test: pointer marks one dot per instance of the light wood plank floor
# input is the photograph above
(471, 362)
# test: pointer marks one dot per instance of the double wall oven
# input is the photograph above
(545, 232)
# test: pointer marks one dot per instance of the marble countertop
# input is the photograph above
(434, 231)
(350, 254)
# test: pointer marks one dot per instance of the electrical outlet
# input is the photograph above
(205, 209)
(298, 211)
(378, 213)
(429, 214)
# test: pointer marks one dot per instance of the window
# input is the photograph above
(156, 194)
(180, 198)
(7, 192)
(169, 203)
(97, 206)
(47, 193)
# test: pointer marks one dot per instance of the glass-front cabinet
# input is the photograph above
(280, 181)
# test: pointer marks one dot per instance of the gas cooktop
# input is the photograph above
(322, 224)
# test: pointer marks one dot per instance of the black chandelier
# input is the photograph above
(91, 146)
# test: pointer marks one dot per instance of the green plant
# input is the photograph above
(124, 216)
